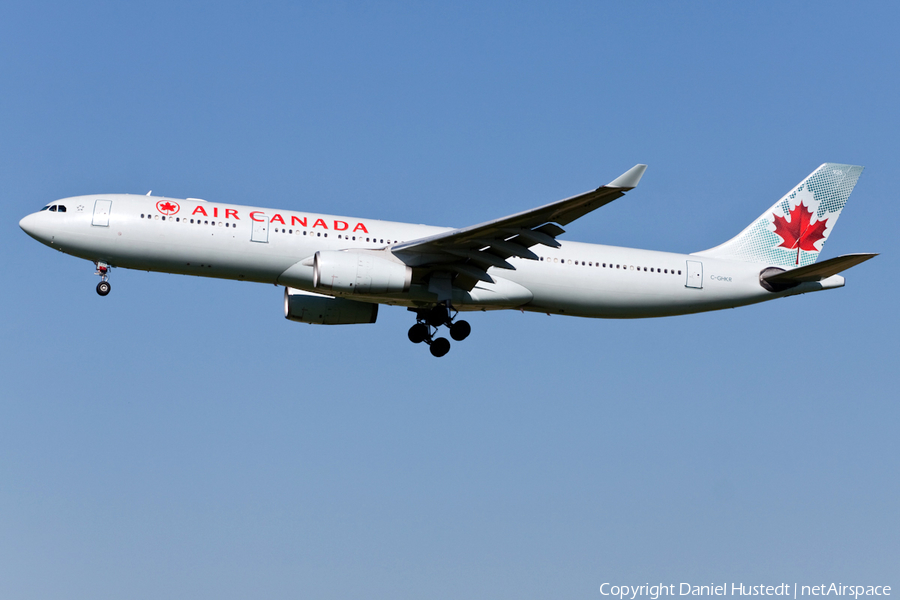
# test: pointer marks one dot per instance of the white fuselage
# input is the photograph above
(271, 246)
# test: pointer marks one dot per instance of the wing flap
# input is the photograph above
(488, 258)
(510, 248)
(531, 237)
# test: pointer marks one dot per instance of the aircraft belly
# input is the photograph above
(180, 252)
(502, 294)
(620, 294)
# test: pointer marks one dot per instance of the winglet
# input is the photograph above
(629, 179)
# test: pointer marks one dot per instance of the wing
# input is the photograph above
(470, 251)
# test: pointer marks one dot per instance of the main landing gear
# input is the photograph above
(103, 271)
(428, 320)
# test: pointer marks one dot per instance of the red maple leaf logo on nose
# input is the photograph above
(167, 208)
(799, 233)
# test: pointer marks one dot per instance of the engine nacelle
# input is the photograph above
(306, 307)
(359, 273)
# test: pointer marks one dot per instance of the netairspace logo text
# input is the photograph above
(654, 592)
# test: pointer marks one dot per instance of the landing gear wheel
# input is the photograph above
(103, 288)
(460, 330)
(440, 347)
(418, 333)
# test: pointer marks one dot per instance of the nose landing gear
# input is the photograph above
(103, 271)
(429, 320)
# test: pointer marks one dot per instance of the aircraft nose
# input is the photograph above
(28, 224)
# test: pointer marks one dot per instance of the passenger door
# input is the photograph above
(102, 209)
(694, 274)
(260, 231)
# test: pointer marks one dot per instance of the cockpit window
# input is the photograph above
(61, 208)
(53, 208)
(45, 208)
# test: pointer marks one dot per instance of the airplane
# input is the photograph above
(337, 270)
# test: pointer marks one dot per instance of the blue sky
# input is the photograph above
(180, 439)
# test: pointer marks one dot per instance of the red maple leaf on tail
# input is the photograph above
(799, 233)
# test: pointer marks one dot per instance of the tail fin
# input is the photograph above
(793, 231)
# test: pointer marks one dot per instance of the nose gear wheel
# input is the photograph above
(103, 287)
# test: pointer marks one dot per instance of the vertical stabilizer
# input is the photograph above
(793, 231)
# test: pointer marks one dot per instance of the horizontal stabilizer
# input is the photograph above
(817, 271)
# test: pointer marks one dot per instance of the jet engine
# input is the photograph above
(359, 273)
(306, 307)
